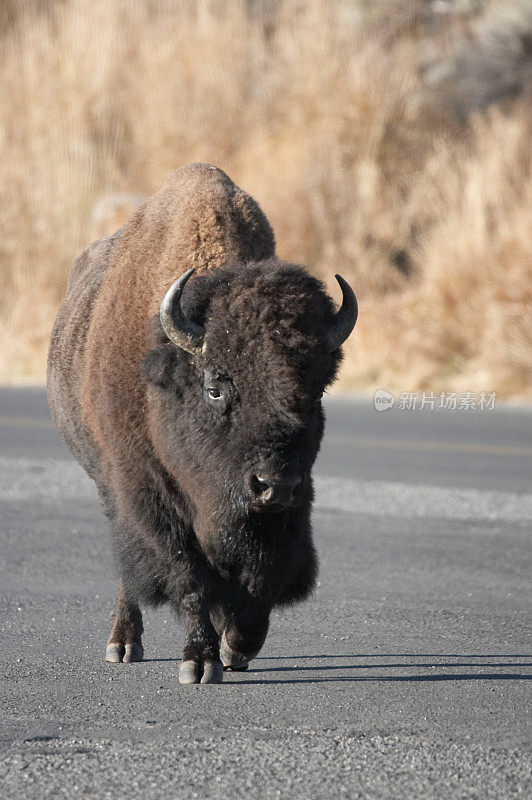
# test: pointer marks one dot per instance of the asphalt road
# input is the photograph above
(408, 674)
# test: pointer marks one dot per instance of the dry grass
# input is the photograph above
(465, 320)
(319, 110)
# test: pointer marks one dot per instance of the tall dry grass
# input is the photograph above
(324, 112)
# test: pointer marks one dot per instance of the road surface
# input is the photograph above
(407, 675)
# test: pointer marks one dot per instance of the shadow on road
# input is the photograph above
(479, 664)
(399, 655)
(508, 661)
(390, 666)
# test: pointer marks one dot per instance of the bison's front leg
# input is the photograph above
(242, 635)
(125, 643)
(201, 655)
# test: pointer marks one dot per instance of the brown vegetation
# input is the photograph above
(340, 118)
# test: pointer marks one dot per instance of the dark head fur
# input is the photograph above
(266, 352)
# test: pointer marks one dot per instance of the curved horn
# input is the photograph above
(181, 331)
(345, 317)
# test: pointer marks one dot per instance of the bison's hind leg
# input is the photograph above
(125, 642)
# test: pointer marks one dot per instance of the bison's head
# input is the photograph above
(243, 357)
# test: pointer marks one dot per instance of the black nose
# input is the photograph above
(269, 491)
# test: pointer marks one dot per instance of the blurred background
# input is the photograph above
(386, 140)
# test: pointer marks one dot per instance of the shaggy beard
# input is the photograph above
(241, 543)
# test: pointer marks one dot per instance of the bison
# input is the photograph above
(195, 405)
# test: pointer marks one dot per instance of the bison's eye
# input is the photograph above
(218, 391)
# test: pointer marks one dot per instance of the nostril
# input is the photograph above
(274, 491)
(260, 487)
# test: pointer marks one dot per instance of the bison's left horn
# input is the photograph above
(345, 317)
(181, 331)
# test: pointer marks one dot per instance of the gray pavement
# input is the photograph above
(407, 675)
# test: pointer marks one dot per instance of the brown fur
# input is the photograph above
(200, 219)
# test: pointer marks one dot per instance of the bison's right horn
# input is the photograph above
(181, 331)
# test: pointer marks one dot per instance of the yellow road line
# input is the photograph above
(394, 444)
(26, 423)
(447, 447)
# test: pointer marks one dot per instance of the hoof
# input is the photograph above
(241, 668)
(116, 653)
(192, 672)
(236, 662)
(213, 672)
(134, 652)
(189, 672)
